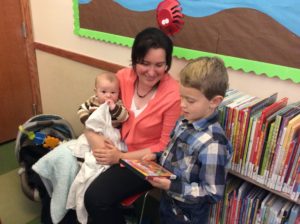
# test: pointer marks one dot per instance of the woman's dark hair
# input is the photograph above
(151, 38)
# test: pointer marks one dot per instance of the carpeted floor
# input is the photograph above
(15, 207)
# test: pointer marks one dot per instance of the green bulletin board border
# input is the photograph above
(259, 68)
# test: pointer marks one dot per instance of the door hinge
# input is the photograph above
(24, 30)
(34, 109)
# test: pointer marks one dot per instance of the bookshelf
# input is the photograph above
(265, 136)
(279, 193)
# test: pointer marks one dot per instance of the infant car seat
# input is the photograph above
(35, 138)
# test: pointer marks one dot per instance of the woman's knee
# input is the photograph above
(95, 198)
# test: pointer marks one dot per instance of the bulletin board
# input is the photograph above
(249, 35)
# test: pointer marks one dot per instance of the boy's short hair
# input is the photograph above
(207, 74)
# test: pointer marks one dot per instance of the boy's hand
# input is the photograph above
(150, 156)
(160, 182)
(111, 104)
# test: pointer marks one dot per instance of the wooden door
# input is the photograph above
(17, 99)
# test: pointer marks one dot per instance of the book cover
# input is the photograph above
(266, 154)
(284, 212)
(231, 95)
(249, 164)
(145, 168)
(277, 117)
(262, 127)
(254, 108)
(263, 207)
(268, 117)
(285, 118)
(292, 128)
(242, 191)
(288, 163)
(247, 152)
(229, 114)
(296, 163)
(239, 130)
(294, 214)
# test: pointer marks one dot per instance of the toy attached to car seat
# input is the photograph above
(40, 138)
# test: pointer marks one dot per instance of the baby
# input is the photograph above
(106, 90)
(101, 113)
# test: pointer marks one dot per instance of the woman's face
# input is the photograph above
(152, 68)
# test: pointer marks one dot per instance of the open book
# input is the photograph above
(145, 168)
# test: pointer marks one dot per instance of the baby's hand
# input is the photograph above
(111, 104)
(150, 156)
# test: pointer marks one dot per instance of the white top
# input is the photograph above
(137, 110)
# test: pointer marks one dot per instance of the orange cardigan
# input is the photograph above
(151, 129)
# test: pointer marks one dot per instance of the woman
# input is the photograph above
(151, 96)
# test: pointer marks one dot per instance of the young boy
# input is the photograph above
(106, 90)
(198, 152)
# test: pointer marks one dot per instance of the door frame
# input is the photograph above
(31, 56)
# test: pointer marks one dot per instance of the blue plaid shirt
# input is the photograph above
(199, 155)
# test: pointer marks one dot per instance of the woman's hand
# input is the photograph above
(108, 154)
(160, 182)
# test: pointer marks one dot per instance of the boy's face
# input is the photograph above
(106, 90)
(194, 104)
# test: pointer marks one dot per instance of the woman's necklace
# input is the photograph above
(143, 96)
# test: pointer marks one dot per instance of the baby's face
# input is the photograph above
(106, 90)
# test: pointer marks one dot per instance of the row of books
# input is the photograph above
(265, 134)
(246, 203)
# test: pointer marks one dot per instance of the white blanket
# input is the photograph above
(100, 122)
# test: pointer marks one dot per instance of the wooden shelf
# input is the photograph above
(279, 193)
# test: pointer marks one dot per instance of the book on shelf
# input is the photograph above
(246, 113)
(248, 164)
(274, 166)
(229, 114)
(288, 163)
(289, 159)
(146, 168)
(266, 119)
(275, 120)
(239, 130)
(296, 188)
(294, 214)
(260, 131)
(275, 136)
(246, 203)
(230, 96)
(242, 191)
(275, 209)
(293, 172)
(291, 129)
(262, 171)
(284, 212)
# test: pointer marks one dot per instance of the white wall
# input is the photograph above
(53, 25)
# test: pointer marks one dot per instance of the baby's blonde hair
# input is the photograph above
(109, 76)
(206, 74)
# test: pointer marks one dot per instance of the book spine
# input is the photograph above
(255, 144)
(277, 155)
(266, 154)
(248, 161)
